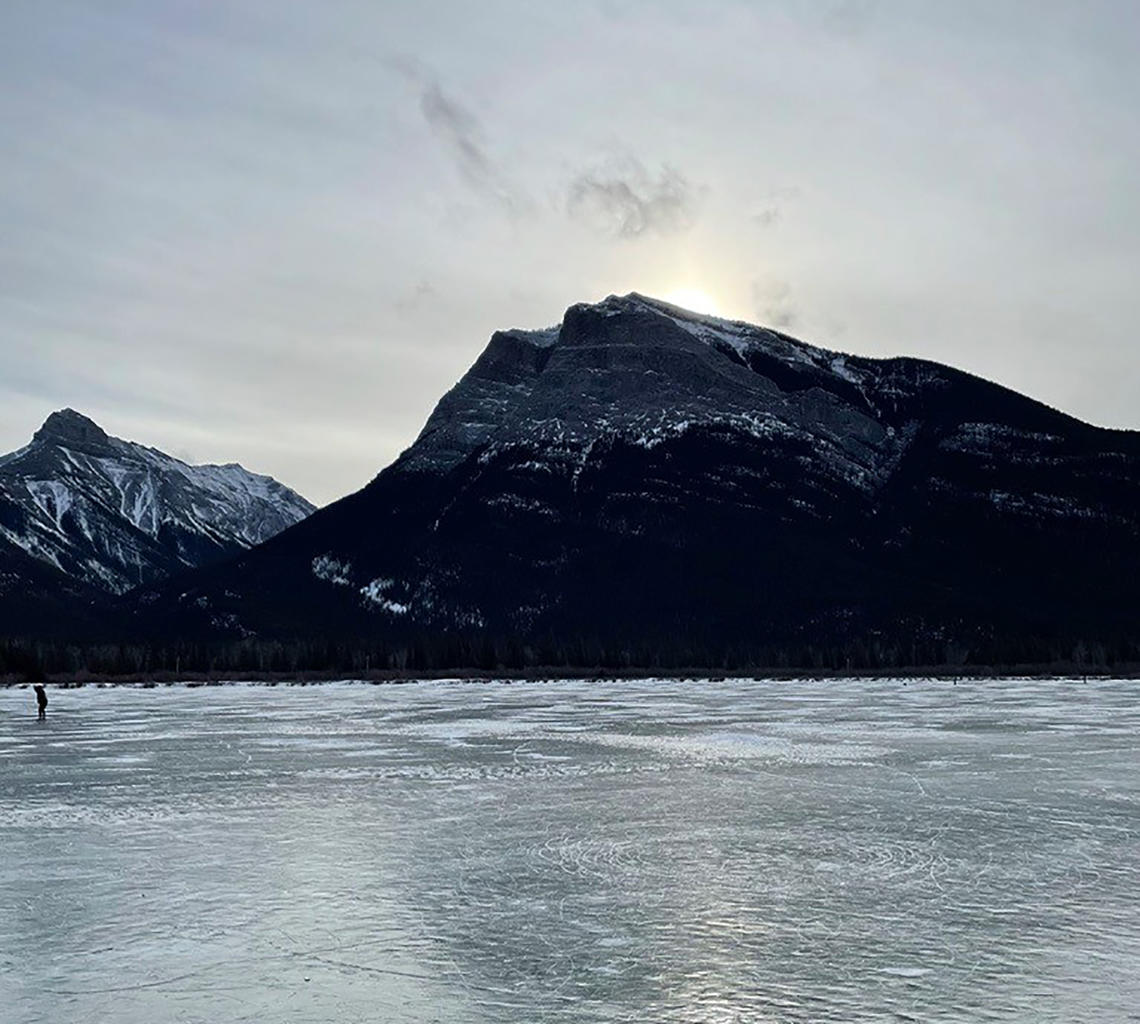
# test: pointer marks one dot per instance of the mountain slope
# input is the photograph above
(38, 600)
(644, 479)
(114, 514)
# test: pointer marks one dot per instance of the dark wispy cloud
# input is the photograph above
(625, 200)
(461, 132)
(620, 197)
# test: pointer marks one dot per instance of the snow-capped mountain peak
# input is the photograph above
(115, 513)
(643, 370)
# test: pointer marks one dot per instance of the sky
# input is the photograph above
(277, 232)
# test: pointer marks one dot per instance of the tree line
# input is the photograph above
(38, 659)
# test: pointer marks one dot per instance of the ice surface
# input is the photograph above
(659, 851)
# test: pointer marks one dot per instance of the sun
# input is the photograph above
(693, 299)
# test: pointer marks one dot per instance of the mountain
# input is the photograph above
(665, 487)
(36, 599)
(112, 514)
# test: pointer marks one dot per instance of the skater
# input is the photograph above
(41, 700)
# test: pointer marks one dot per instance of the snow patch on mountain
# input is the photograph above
(375, 593)
(332, 570)
(52, 498)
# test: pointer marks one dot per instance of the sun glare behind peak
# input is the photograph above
(693, 299)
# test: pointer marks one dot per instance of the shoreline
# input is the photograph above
(933, 673)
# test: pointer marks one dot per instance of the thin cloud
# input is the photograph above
(424, 293)
(773, 302)
(459, 129)
(768, 216)
(625, 200)
(461, 133)
(773, 205)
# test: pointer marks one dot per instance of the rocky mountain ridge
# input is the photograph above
(645, 479)
(113, 514)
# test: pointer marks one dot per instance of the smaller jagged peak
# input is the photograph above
(68, 427)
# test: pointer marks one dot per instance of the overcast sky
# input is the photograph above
(275, 232)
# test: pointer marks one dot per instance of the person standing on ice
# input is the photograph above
(41, 700)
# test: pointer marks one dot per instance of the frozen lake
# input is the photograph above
(656, 851)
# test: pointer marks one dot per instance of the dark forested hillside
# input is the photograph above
(643, 486)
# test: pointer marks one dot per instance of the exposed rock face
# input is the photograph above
(114, 514)
(644, 477)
